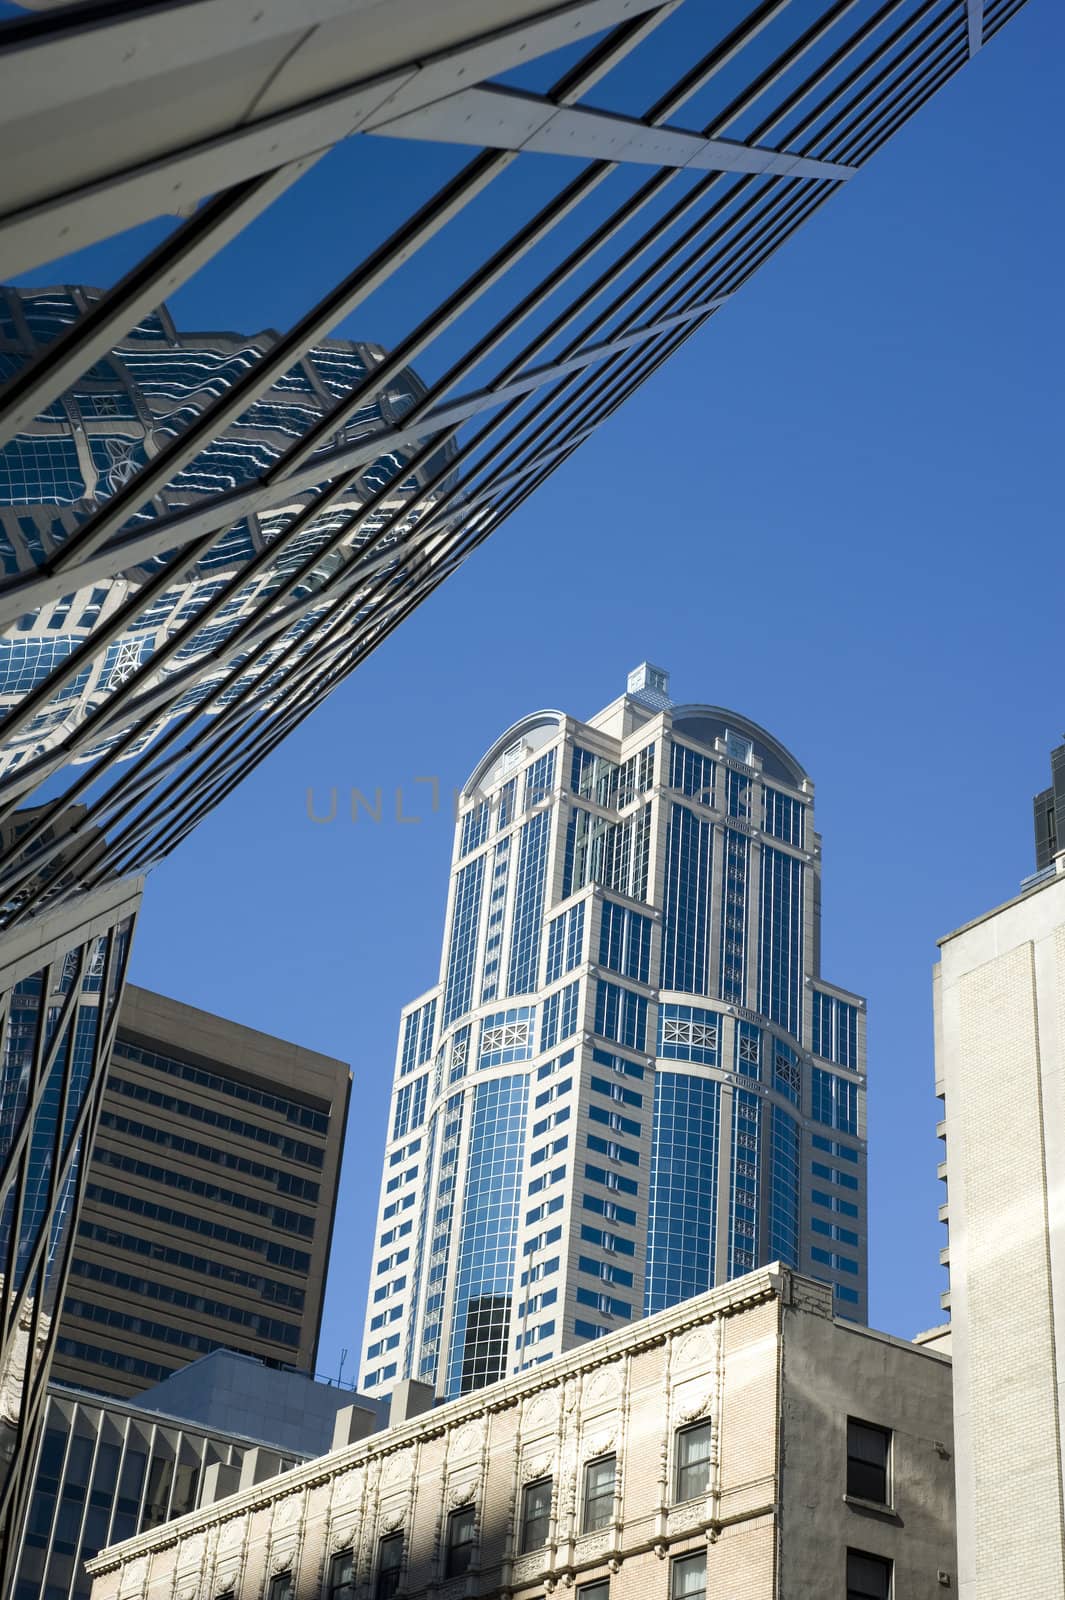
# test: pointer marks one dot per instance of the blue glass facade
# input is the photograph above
(86, 446)
(653, 941)
(484, 1265)
(682, 1197)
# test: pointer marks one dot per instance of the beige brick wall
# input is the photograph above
(714, 1359)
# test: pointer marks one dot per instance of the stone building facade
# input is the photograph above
(744, 1444)
(1000, 1069)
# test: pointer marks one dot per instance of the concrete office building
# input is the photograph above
(743, 1444)
(209, 1204)
(108, 1468)
(631, 1081)
(1000, 1069)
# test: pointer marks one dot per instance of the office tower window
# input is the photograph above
(340, 1584)
(461, 1534)
(868, 1577)
(693, 1461)
(535, 1514)
(389, 1563)
(868, 1461)
(610, 964)
(688, 1577)
(599, 1480)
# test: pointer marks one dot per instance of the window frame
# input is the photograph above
(332, 1587)
(395, 1541)
(524, 1545)
(688, 1557)
(282, 1586)
(858, 1463)
(681, 1467)
(886, 1562)
(463, 1548)
(587, 1500)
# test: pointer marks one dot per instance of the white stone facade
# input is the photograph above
(1000, 1064)
(759, 1368)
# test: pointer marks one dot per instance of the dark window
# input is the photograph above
(389, 1561)
(868, 1454)
(341, 1585)
(868, 1577)
(687, 1579)
(595, 1591)
(599, 1493)
(460, 1536)
(536, 1514)
(693, 1461)
(281, 1587)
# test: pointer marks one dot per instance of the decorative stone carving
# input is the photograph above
(693, 1401)
(460, 1491)
(342, 1538)
(603, 1384)
(398, 1469)
(393, 1518)
(467, 1440)
(288, 1511)
(537, 1466)
(541, 1413)
(694, 1348)
(600, 1442)
(282, 1557)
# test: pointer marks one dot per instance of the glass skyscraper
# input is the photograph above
(631, 1081)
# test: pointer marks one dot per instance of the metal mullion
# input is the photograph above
(922, 88)
(550, 215)
(719, 57)
(160, 272)
(868, 99)
(346, 530)
(44, 1061)
(404, 242)
(315, 324)
(898, 93)
(273, 736)
(867, 64)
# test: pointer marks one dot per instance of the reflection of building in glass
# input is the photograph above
(209, 1201)
(631, 1082)
(87, 444)
(61, 980)
(108, 1469)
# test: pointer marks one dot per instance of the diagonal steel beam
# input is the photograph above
(502, 119)
(976, 25)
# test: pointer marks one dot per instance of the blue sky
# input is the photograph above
(837, 511)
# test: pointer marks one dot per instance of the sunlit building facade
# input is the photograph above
(631, 1082)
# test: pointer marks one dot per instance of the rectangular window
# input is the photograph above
(341, 1581)
(595, 1591)
(535, 1514)
(688, 1577)
(599, 1480)
(389, 1564)
(868, 1577)
(693, 1461)
(461, 1530)
(281, 1587)
(868, 1460)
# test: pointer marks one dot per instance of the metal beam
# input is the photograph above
(502, 119)
(976, 25)
(130, 146)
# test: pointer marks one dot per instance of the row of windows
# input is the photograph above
(279, 1255)
(410, 1106)
(295, 1149)
(287, 1221)
(302, 1116)
(611, 784)
(565, 942)
(266, 1327)
(285, 1294)
(285, 1182)
(625, 941)
(868, 1576)
(417, 1044)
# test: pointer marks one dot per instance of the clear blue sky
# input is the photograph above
(838, 510)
